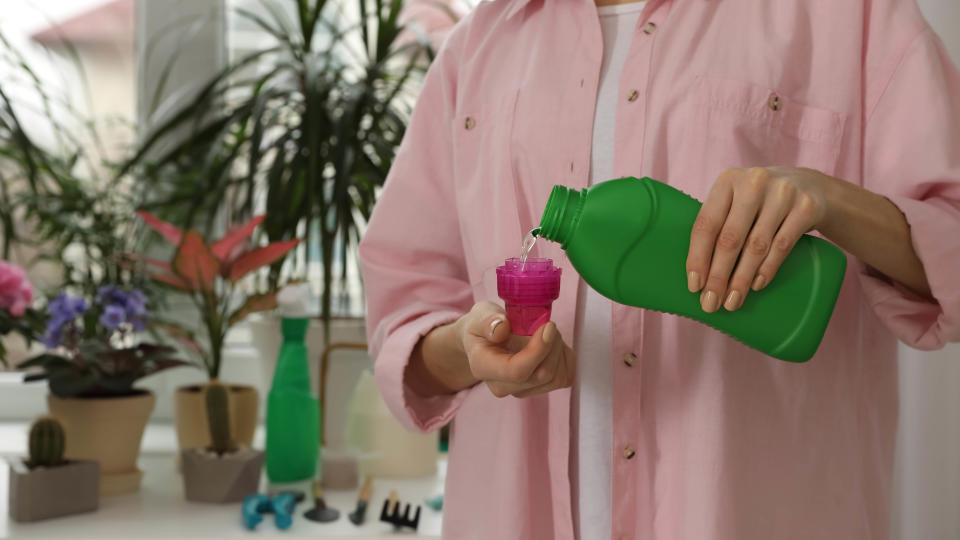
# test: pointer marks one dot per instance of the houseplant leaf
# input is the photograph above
(259, 258)
(172, 233)
(234, 237)
(195, 263)
(173, 280)
(254, 304)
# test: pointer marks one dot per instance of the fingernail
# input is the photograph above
(549, 332)
(758, 282)
(709, 302)
(493, 325)
(733, 301)
(543, 376)
(693, 281)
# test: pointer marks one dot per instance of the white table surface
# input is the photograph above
(159, 510)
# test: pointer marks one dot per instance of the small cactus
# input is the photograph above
(218, 416)
(47, 442)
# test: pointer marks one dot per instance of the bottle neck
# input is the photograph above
(562, 214)
(294, 328)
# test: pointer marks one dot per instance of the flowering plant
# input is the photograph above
(209, 274)
(16, 315)
(92, 349)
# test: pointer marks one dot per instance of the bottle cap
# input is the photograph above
(537, 281)
(292, 300)
(528, 291)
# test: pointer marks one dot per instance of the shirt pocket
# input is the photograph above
(484, 182)
(740, 124)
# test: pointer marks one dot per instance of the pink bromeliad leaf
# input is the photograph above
(254, 304)
(130, 259)
(223, 248)
(260, 257)
(173, 280)
(168, 231)
(195, 263)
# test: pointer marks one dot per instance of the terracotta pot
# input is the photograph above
(190, 412)
(49, 492)
(208, 477)
(108, 430)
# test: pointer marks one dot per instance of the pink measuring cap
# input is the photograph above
(528, 293)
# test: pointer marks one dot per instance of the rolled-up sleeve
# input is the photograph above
(411, 254)
(911, 155)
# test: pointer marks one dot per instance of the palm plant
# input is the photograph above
(54, 197)
(304, 131)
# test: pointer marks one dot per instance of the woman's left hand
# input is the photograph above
(749, 223)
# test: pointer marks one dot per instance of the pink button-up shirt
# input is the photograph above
(711, 440)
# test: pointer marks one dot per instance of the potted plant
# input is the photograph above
(223, 471)
(309, 125)
(211, 277)
(93, 360)
(46, 485)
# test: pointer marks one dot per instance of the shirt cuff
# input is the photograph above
(920, 322)
(416, 413)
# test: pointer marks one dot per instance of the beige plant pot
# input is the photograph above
(190, 412)
(107, 430)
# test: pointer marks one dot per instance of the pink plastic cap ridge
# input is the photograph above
(528, 291)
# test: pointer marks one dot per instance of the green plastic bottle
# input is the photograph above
(629, 238)
(293, 413)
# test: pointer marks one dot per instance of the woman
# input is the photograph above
(841, 118)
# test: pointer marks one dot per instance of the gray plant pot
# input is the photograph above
(44, 493)
(208, 477)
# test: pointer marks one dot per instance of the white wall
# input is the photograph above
(926, 504)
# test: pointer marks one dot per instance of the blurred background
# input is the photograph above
(118, 86)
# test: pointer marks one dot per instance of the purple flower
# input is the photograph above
(113, 317)
(109, 294)
(64, 309)
(136, 304)
(51, 338)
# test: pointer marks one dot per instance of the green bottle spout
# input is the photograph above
(561, 215)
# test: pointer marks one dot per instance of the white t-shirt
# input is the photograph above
(593, 408)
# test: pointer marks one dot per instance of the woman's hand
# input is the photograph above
(480, 348)
(514, 365)
(749, 223)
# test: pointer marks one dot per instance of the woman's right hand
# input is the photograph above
(479, 347)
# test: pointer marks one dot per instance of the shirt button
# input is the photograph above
(649, 28)
(469, 123)
(629, 452)
(629, 359)
(633, 95)
(774, 102)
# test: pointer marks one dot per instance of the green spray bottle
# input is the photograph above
(293, 413)
(629, 238)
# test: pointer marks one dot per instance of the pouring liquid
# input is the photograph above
(527, 246)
